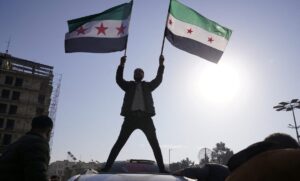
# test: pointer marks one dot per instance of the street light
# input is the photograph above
(290, 106)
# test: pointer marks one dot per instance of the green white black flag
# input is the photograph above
(189, 31)
(100, 33)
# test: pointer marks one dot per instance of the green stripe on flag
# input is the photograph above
(119, 12)
(188, 15)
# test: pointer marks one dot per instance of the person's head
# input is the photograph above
(282, 139)
(42, 125)
(138, 74)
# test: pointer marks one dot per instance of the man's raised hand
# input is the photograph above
(161, 60)
(123, 60)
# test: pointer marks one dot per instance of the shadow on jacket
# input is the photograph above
(26, 159)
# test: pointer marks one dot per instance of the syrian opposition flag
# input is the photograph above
(189, 31)
(100, 33)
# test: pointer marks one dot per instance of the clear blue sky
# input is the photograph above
(198, 103)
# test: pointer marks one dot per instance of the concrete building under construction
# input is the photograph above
(25, 92)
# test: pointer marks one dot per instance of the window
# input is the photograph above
(15, 95)
(3, 108)
(41, 99)
(13, 109)
(44, 85)
(10, 124)
(9, 80)
(39, 111)
(7, 139)
(5, 93)
(19, 82)
(1, 122)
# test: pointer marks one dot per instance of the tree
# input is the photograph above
(187, 163)
(221, 154)
(204, 161)
(181, 165)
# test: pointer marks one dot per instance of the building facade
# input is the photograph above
(25, 92)
(60, 168)
(66, 169)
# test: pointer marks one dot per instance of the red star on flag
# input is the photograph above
(81, 30)
(189, 31)
(170, 21)
(210, 39)
(121, 29)
(101, 29)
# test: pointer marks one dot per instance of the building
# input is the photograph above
(59, 168)
(25, 92)
(66, 169)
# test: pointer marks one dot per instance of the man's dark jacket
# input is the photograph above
(26, 159)
(147, 87)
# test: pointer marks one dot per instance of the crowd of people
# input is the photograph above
(277, 157)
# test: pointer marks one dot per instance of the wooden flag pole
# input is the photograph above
(128, 32)
(163, 42)
(125, 50)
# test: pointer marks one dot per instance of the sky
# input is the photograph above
(198, 104)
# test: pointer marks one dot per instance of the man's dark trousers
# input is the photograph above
(142, 121)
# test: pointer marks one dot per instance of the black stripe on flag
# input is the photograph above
(194, 47)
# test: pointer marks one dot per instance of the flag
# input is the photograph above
(100, 33)
(189, 31)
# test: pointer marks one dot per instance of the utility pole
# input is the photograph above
(170, 149)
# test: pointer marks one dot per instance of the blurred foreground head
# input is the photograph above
(282, 139)
(42, 125)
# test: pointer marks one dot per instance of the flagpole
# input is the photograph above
(163, 42)
(128, 31)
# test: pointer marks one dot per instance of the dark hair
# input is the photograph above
(41, 122)
(283, 140)
(139, 69)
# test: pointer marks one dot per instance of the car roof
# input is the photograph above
(128, 177)
(135, 166)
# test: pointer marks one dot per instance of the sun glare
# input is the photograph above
(218, 83)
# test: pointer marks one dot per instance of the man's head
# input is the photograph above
(42, 125)
(138, 74)
(281, 139)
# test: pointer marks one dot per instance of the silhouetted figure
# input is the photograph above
(138, 108)
(275, 158)
(27, 159)
(208, 172)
